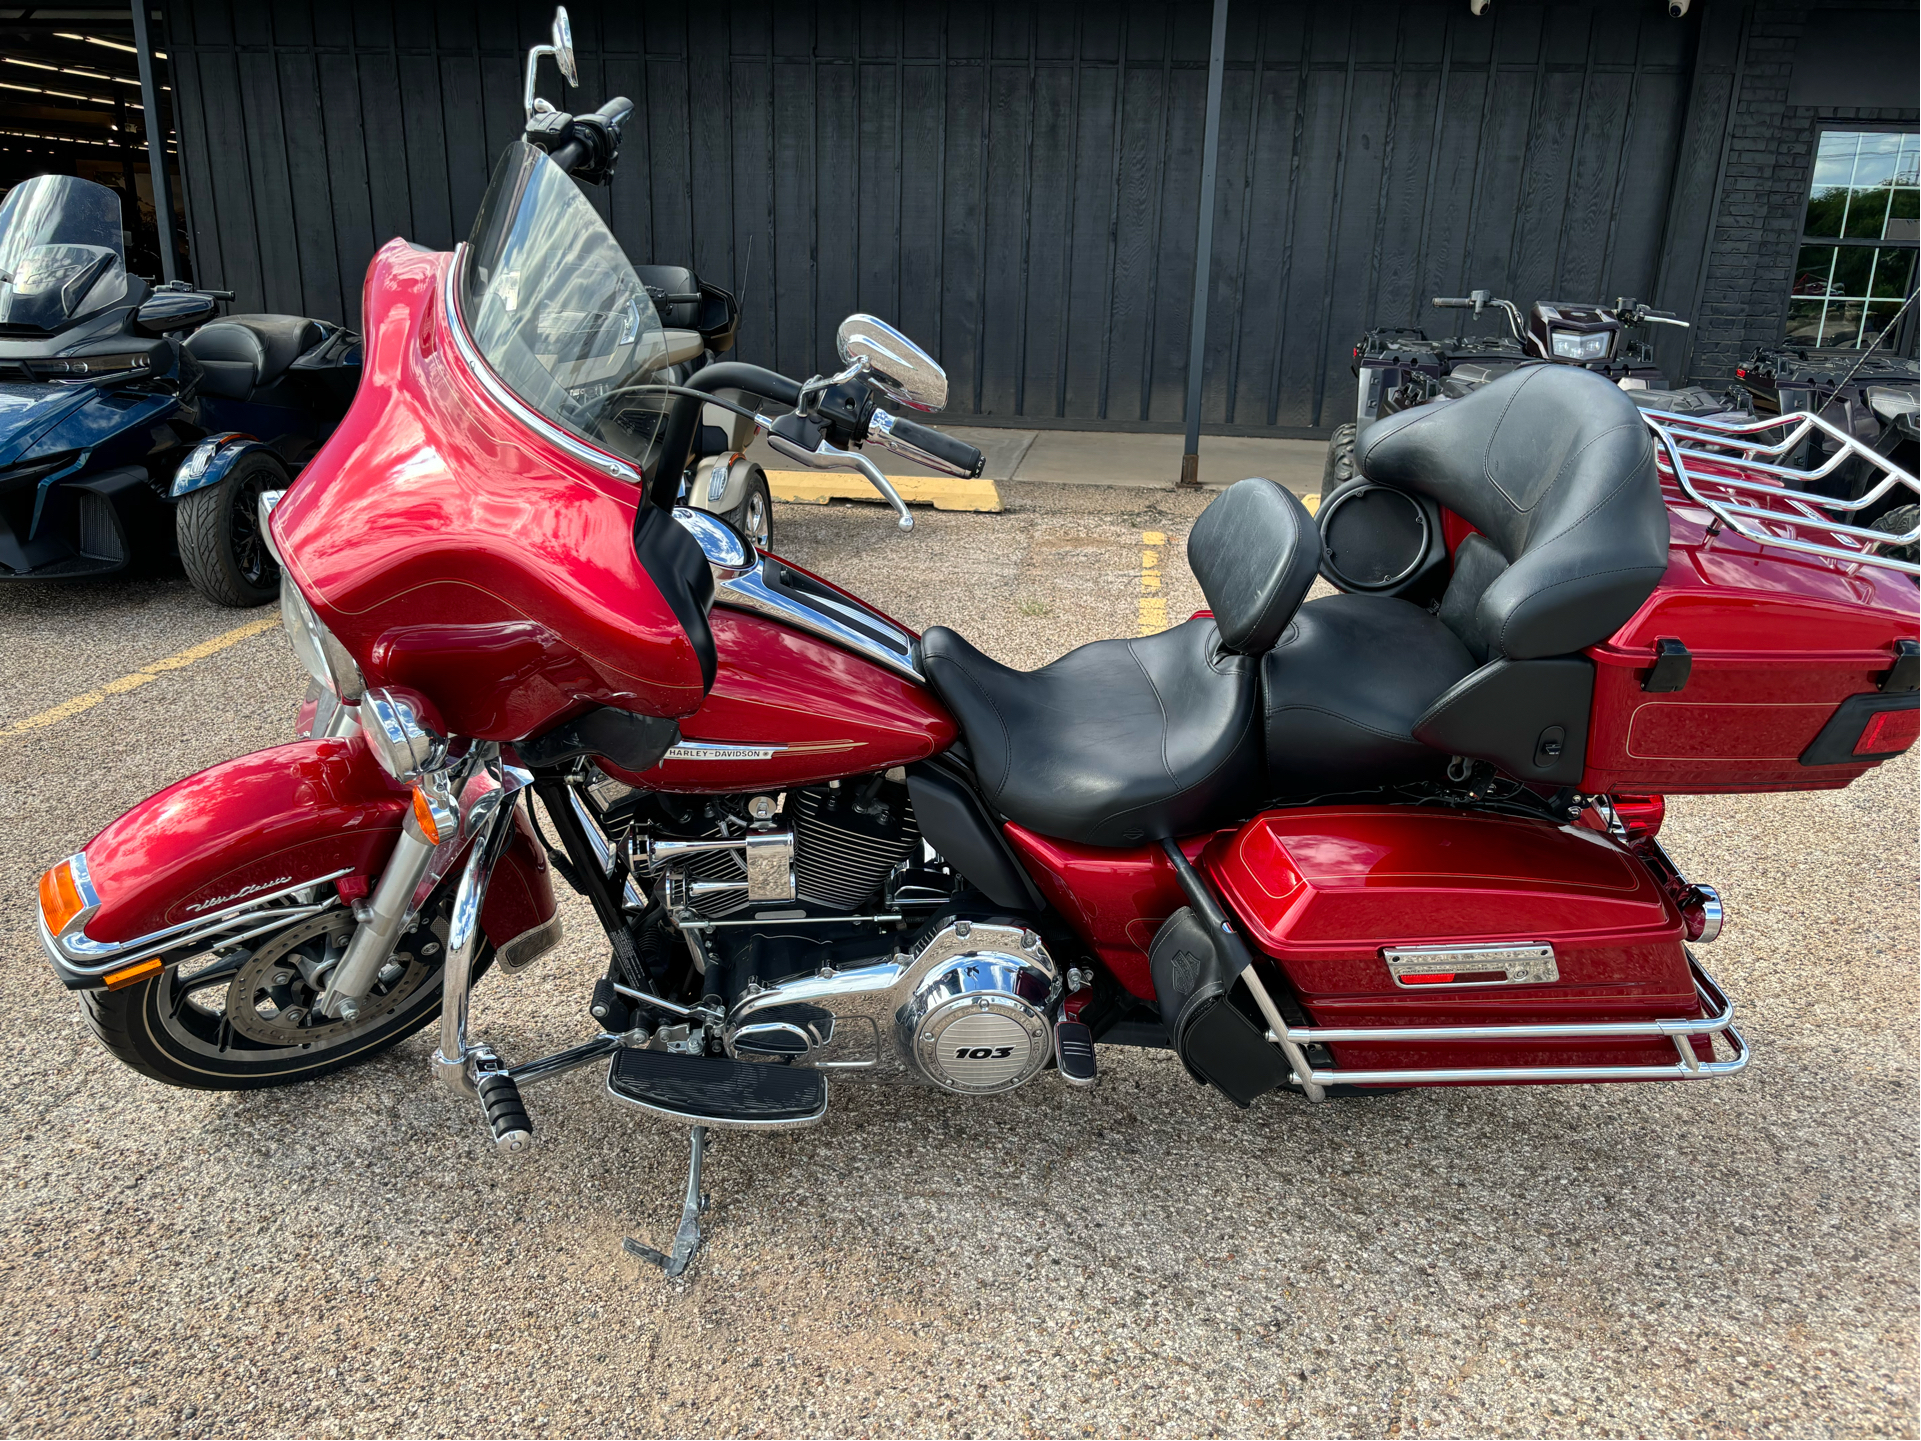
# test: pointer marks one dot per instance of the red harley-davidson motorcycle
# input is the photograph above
(1404, 835)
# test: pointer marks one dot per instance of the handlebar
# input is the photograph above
(593, 140)
(924, 445)
(1452, 302)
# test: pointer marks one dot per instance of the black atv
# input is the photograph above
(1875, 397)
(1400, 369)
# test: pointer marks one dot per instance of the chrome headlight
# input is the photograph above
(1573, 345)
(405, 747)
(325, 658)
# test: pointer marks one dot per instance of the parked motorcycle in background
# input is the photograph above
(1321, 847)
(114, 429)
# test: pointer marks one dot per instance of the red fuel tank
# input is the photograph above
(788, 709)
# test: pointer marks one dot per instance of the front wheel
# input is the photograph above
(221, 544)
(245, 1021)
(754, 516)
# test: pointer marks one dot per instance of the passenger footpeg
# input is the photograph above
(687, 1238)
(715, 1091)
(506, 1115)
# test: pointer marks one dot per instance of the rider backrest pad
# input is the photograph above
(1555, 468)
(1255, 551)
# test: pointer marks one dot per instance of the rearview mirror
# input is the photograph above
(564, 46)
(166, 310)
(900, 368)
(562, 49)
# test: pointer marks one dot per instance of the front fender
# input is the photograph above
(311, 812)
(209, 461)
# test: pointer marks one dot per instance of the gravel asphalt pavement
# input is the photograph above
(1728, 1258)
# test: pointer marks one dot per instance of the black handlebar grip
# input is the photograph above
(615, 113)
(1452, 302)
(958, 453)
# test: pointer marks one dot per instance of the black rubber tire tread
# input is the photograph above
(120, 1019)
(1338, 469)
(200, 523)
(1899, 521)
(737, 517)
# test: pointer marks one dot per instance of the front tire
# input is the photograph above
(221, 544)
(754, 516)
(180, 1033)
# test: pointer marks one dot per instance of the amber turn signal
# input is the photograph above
(128, 975)
(424, 817)
(60, 898)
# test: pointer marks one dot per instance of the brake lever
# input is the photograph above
(828, 457)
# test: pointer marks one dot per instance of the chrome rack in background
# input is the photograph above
(1697, 453)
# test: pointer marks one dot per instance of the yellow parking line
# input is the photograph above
(67, 709)
(816, 487)
(1153, 610)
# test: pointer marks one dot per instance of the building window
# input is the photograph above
(1859, 241)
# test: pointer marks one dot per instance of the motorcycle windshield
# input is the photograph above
(61, 254)
(558, 313)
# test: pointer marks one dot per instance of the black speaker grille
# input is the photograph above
(1375, 537)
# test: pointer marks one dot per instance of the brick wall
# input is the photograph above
(1763, 196)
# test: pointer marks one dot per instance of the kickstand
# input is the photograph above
(687, 1238)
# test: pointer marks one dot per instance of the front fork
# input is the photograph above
(461, 1065)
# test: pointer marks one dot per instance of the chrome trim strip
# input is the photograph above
(1525, 965)
(1719, 1021)
(87, 957)
(497, 388)
(749, 591)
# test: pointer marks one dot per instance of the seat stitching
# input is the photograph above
(1347, 720)
(1007, 740)
(1501, 638)
(1622, 484)
(1493, 435)
(1166, 724)
(1196, 784)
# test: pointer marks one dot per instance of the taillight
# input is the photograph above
(1889, 730)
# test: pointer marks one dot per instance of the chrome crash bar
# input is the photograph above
(1788, 513)
(1718, 1021)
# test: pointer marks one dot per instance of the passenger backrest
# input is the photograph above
(1255, 551)
(1554, 467)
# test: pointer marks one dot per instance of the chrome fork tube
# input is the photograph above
(379, 929)
(493, 826)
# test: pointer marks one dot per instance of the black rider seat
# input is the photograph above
(244, 353)
(1126, 741)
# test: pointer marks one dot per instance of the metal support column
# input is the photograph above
(1204, 246)
(156, 146)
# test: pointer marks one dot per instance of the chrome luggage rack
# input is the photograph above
(1741, 482)
(1717, 1019)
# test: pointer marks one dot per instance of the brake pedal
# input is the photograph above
(506, 1114)
(1074, 1053)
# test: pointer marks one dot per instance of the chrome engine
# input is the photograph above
(968, 1007)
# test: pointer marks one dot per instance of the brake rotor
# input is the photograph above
(272, 995)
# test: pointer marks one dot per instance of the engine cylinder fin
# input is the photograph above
(842, 857)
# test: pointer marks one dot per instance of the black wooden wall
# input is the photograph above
(1016, 184)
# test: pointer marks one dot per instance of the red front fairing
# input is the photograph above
(451, 549)
(263, 822)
